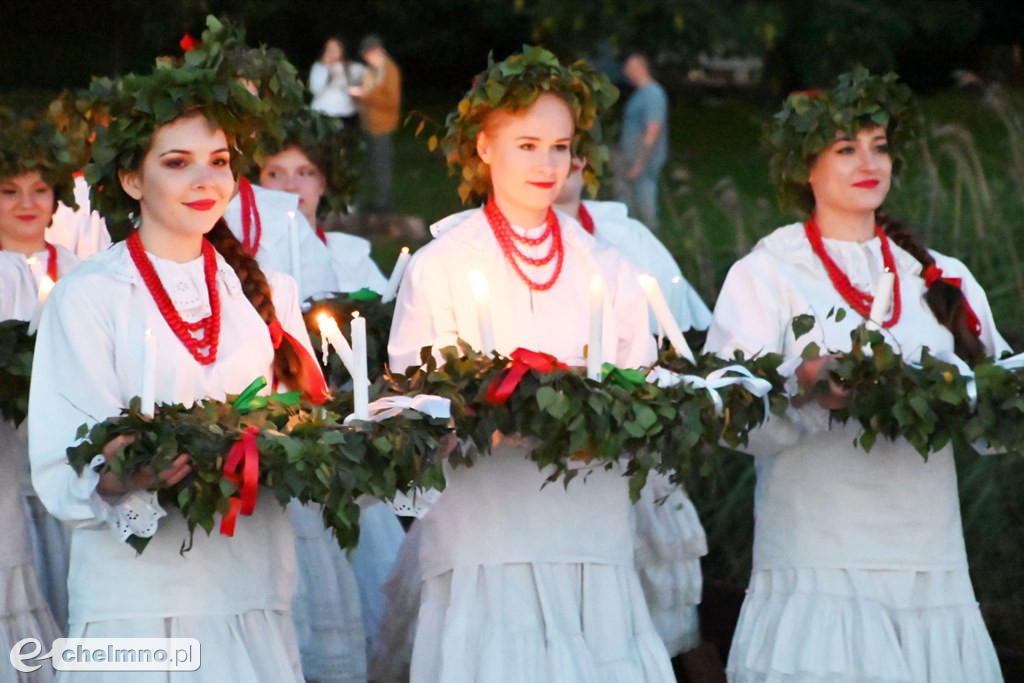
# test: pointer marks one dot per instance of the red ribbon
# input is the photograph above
(313, 378)
(933, 274)
(321, 233)
(522, 361)
(243, 454)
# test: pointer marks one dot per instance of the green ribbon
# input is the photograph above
(626, 378)
(248, 400)
(364, 294)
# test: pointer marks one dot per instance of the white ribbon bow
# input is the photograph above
(721, 378)
(390, 406)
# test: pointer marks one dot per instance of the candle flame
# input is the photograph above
(405, 250)
(355, 314)
(291, 215)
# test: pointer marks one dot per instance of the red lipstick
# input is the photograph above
(867, 184)
(202, 204)
(545, 186)
(25, 217)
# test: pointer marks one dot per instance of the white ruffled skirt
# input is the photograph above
(325, 610)
(257, 646)
(816, 625)
(669, 541)
(535, 623)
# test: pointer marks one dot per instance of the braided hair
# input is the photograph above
(287, 364)
(947, 301)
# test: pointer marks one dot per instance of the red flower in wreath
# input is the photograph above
(188, 43)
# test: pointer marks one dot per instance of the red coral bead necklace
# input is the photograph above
(507, 239)
(860, 301)
(209, 326)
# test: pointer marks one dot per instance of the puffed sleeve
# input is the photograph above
(748, 316)
(74, 382)
(424, 310)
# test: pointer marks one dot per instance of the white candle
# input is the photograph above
(331, 334)
(45, 285)
(360, 379)
(482, 295)
(148, 392)
(391, 290)
(293, 251)
(665, 318)
(883, 297)
(595, 351)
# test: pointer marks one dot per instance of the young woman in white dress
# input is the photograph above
(524, 583)
(859, 567)
(218, 321)
(31, 179)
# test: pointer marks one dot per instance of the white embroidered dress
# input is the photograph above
(859, 568)
(524, 583)
(233, 594)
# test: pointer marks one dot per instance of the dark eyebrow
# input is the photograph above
(190, 153)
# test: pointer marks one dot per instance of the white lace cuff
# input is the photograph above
(135, 513)
(415, 503)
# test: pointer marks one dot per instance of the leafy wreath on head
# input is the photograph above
(34, 143)
(809, 120)
(324, 140)
(513, 85)
(141, 104)
(276, 80)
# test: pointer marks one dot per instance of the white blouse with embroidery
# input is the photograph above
(88, 365)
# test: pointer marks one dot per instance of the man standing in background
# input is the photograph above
(644, 146)
(380, 98)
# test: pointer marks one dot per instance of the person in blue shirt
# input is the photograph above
(644, 144)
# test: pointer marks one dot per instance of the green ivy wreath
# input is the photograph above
(809, 120)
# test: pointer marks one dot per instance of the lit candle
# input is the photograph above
(148, 393)
(883, 297)
(391, 290)
(45, 285)
(665, 318)
(293, 251)
(482, 295)
(360, 379)
(331, 334)
(594, 345)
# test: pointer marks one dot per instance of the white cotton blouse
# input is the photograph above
(354, 268)
(635, 241)
(274, 253)
(435, 304)
(820, 500)
(88, 365)
(19, 285)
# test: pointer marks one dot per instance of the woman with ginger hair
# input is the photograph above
(859, 567)
(520, 582)
(219, 322)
